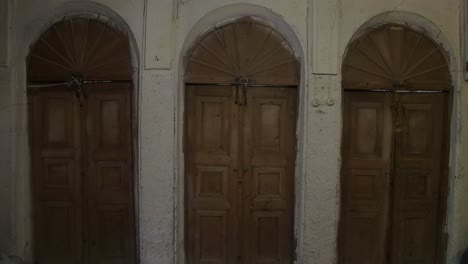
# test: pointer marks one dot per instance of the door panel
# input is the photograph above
(239, 175)
(391, 210)
(365, 177)
(109, 175)
(268, 151)
(211, 166)
(57, 176)
(419, 141)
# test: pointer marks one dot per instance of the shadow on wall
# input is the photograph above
(10, 260)
(464, 259)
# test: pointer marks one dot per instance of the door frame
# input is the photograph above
(451, 164)
(23, 233)
(218, 17)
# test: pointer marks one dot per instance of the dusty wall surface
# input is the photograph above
(162, 31)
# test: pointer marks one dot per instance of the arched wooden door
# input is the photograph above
(80, 96)
(397, 88)
(240, 146)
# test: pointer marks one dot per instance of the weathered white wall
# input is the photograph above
(319, 31)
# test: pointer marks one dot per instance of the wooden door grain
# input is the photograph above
(418, 177)
(268, 154)
(57, 182)
(82, 151)
(211, 175)
(392, 209)
(239, 175)
(110, 217)
(366, 151)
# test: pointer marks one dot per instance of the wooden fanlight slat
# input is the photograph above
(84, 47)
(245, 48)
(395, 57)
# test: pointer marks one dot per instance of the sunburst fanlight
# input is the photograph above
(395, 57)
(83, 47)
(244, 49)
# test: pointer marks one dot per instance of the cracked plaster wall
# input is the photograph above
(320, 30)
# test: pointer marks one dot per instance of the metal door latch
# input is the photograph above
(241, 84)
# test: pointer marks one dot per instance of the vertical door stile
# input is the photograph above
(392, 127)
(83, 138)
(246, 198)
(241, 184)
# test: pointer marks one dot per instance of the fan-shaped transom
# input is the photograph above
(395, 57)
(244, 49)
(83, 47)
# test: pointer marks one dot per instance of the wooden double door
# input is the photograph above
(393, 177)
(239, 174)
(83, 175)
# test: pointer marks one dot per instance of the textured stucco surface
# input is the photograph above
(319, 31)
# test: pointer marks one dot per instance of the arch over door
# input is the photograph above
(80, 94)
(240, 146)
(393, 57)
(395, 148)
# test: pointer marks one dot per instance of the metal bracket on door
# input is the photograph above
(242, 83)
(78, 86)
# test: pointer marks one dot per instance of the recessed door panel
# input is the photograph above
(211, 234)
(362, 241)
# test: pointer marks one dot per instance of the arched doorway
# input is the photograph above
(396, 116)
(80, 94)
(241, 85)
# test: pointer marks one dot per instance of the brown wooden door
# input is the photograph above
(418, 178)
(365, 177)
(240, 175)
(83, 176)
(56, 173)
(212, 172)
(394, 158)
(109, 175)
